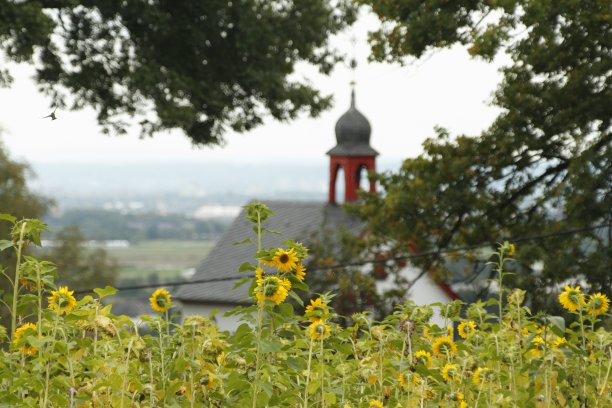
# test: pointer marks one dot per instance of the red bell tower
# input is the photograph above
(352, 153)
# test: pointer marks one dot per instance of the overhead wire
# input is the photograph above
(368, 261)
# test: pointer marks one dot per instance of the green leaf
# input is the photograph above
(246, 266)
(4, 244)
(286, 310)
(270, 345)
(244, 241)
(8, 217)
(271, 231)
(107, 291)
(295, 297)
(558, 324)
(330, 398)
(242, 281)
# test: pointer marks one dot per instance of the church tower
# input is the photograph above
(352, 153)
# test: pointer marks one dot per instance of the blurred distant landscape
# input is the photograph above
(160, 220)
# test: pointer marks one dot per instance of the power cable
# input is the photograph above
(369, 261)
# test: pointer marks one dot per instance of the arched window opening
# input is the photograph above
(340, 185)
(362, 178)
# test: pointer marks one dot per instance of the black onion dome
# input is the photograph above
(353, 134)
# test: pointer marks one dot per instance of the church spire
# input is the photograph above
(352, 152)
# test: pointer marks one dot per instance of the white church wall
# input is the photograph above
(424, 291)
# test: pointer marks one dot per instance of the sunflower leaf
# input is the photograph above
(107, 291)
(246, 266)
(244, 241)
(295, 297)
(8, 218)
(4, 244)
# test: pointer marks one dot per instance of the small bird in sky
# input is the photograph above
(51, 115)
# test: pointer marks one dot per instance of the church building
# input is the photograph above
(296, 220)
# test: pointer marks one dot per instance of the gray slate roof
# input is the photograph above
(295, 220)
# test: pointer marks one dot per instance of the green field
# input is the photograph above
(164, 259)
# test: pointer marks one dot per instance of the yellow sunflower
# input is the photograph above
(466, 329)
(300, 272)
(450, 372)
(538, 346)
(316, 310)
(376, 404)
(423, 357)
(481, 375)
(19, 332)
(597, 304)
(559, 342)
(272, 288)
(408, 377)
(456, 396)
(259, 273)
(62, 301)
(571, 298)
(319, 331)
(208, 380)
(285, 261)
(426, 332)
(161, 300)
(511, 249)
(444, 346)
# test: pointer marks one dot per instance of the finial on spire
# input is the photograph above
(353, 66)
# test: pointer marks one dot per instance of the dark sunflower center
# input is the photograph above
(161, 301)
(284, 258)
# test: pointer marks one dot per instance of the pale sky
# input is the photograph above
(403, 104)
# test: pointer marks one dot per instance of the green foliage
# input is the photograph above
(201, 66)
(87, 356)
(542, 167)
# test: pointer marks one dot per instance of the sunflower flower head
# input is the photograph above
(285, 261)
(443, 346)
(423, 357)
(559, 343)
(466, 329)
(450, 372)
(481, 375)
(538, 345)
(317, 310)
(160, 300)
(272, 288)
(62, 301)
(571, 298)
(259, 273)
(207, 380)
(375, 404)
(597, 304)
(319, 330)
(300, 272)
(25, 348)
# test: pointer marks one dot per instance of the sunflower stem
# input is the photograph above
(308, 374)
(39, 291)
(259, 321)
(16, 281)
(322, 372)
